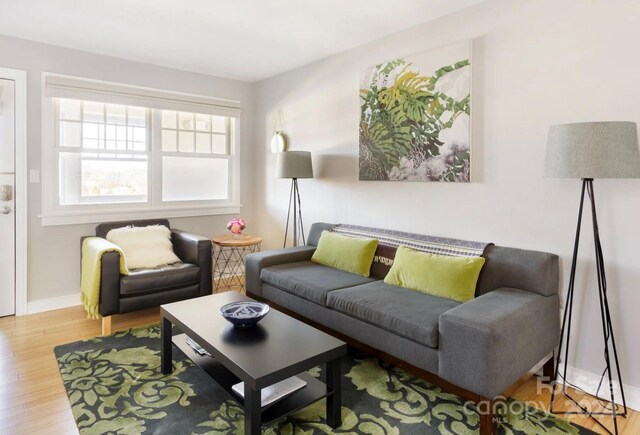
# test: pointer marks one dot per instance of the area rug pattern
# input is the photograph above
(115, 385)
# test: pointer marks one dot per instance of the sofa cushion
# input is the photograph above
(438, 275)
(350, 254)
(383, 260)
(408, 313)
(161, 278)
(309, 280)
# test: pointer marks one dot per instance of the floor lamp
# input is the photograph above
(591, 150)
(294, 165)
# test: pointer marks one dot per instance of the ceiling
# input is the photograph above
(243, 39)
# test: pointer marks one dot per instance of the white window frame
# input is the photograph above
(55, 214)
(156, 157)
(83, 203)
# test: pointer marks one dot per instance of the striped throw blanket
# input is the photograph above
(388, 242)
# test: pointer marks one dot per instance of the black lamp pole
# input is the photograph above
(607, 328)
(298, 227)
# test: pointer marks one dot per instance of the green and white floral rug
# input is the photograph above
(115, 385)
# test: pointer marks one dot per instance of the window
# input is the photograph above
(122, 152)
(195, 156)
(102, 152)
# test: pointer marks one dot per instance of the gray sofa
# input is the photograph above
(482, 346)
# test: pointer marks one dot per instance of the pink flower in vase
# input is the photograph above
(236, 226)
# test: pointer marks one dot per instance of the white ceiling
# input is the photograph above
(243, 39)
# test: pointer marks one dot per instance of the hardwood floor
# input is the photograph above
(32, 396)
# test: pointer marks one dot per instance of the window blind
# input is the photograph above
(58, 86)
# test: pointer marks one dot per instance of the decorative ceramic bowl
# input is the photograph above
(244, 314)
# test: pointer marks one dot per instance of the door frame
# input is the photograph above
(20, 79)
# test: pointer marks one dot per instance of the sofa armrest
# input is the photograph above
(488, 343)
(194, 249)
(254, 263)
(110, 284)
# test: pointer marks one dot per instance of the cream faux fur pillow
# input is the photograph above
(144, 247)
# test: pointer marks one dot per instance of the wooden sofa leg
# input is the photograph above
(487, 421)
(106, 325)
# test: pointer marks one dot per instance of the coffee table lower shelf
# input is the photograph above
(312, 392)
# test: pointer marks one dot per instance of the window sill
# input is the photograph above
(92, 217)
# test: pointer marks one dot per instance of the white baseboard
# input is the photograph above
(589, 382)
(40, 305)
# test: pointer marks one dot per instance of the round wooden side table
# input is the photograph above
(228, 258)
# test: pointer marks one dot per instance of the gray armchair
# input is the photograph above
(145, 288)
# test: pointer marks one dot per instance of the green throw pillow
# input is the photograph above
(345, 253)
(439, 275)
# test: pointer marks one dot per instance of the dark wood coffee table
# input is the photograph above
(277, 348)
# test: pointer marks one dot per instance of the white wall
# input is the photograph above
(535, 63)
(53, 251)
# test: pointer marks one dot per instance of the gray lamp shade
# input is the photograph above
(593, 150)
(294, 164)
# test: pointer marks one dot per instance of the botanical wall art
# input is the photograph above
(415, 117)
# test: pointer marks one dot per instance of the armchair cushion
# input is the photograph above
(144, 247)
(159, 279)
(104, 228)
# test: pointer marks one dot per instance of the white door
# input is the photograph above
(7, 202)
